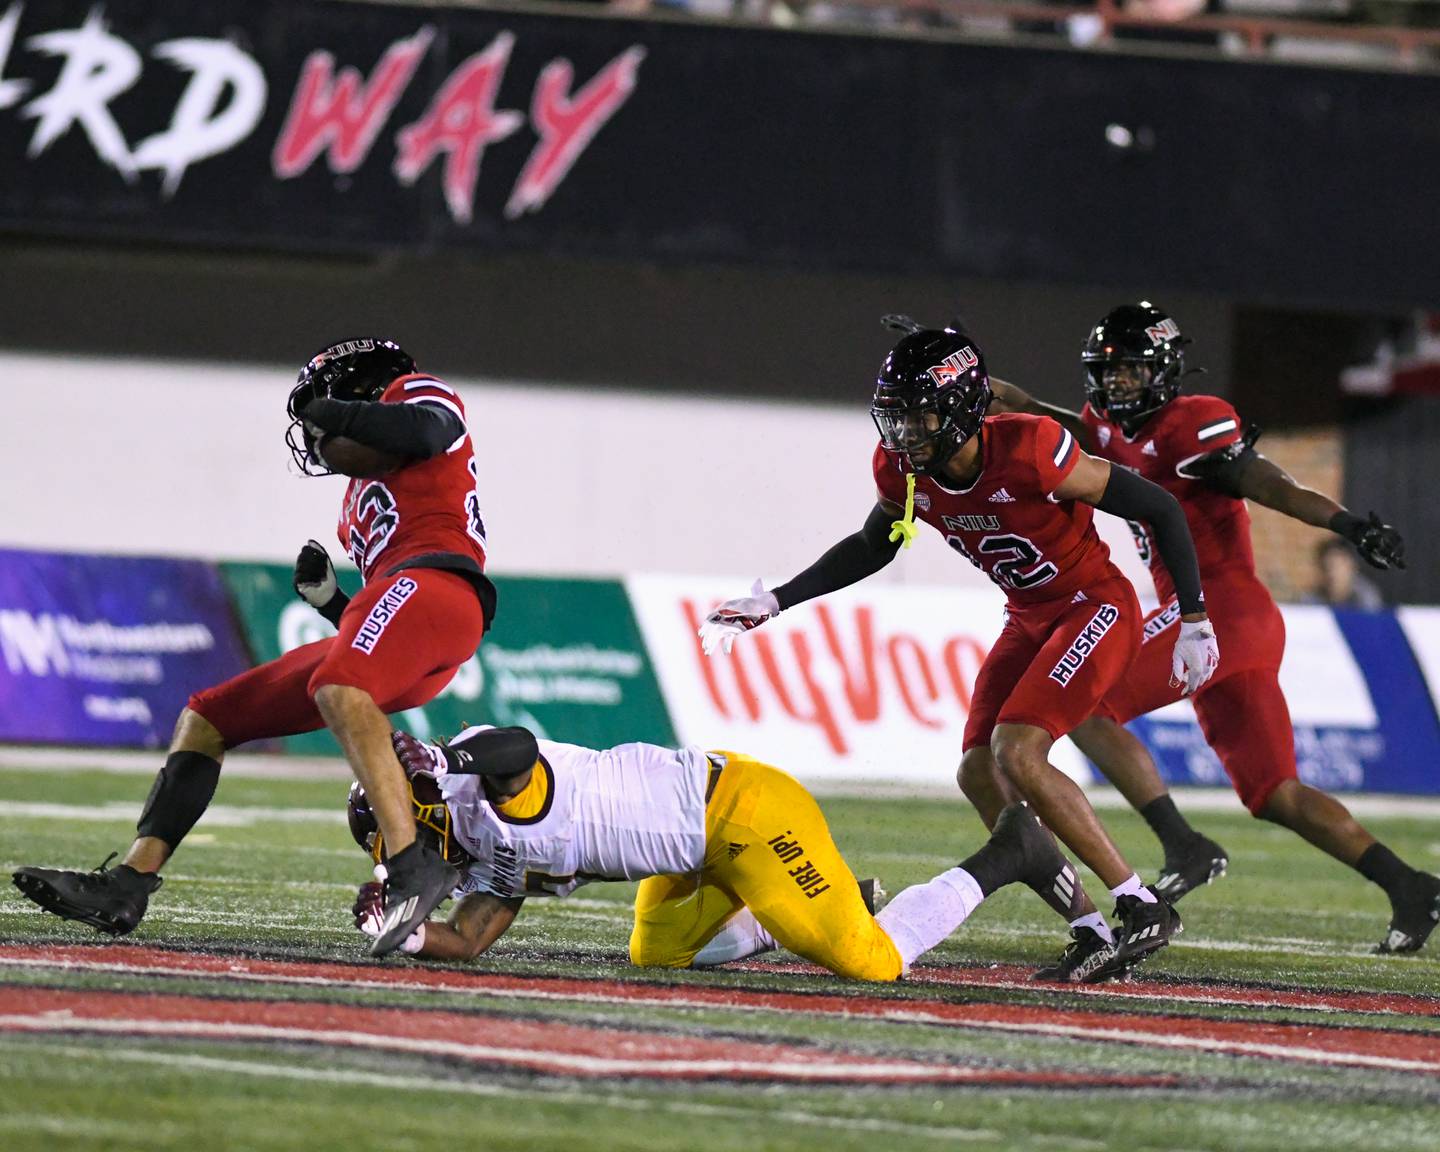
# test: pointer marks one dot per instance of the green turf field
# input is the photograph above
(1239, 1036)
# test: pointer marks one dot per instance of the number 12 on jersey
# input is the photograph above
(1011, 561)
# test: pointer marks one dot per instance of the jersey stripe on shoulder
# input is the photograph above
(429, 382)
(1219, 428)
(1064, 448)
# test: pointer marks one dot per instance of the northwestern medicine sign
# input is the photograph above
(106, 650)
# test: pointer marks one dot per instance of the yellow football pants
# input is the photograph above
(768, 848)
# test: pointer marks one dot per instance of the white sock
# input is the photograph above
(920, 917)
(741, 936)
(1134, 887)
(1096, 923)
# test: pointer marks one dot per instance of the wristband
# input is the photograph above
(1347, 524)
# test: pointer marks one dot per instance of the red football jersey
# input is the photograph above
(1007, 523)
(429, 508)
(1184, 429)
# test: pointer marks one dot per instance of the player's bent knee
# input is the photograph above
(1019, 758)
(976, 773)
(1269, 800)
(194, 733)
(648, 950)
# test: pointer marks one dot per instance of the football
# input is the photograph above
(342, 454)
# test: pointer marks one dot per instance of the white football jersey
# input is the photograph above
(619, 814)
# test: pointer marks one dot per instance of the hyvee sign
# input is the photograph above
(870, 683)
(146, 101)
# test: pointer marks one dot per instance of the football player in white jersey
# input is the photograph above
(734, 856)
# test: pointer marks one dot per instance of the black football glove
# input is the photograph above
(314, 582)
(1380, 545)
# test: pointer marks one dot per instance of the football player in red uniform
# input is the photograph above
(1014, 496)
(1194, 447)
(412, 525)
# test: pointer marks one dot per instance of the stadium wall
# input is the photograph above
(683, 501)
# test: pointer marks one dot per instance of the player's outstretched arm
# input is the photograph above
(1122, 493)
(859, 555)
(1241, 471)
(1012, 398)
(477, 922)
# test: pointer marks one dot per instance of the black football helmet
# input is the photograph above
(433, 825)
(1139, 334)
(931, 394)
(350, 370)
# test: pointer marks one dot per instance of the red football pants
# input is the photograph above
(1054, 662)
(401, 639)
(1241, 710)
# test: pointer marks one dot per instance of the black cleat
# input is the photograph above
(1202, 862)
(874, 894)
(1414, 917)
(1145, 928)
(112, 900)
(1086, 952)
(418, 883)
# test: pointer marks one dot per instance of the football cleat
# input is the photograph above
(110, 899)
(1203, 862)
(1145, 928)
(419, 880)
(1086, 952)
(1415, 917)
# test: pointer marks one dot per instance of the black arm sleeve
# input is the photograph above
(492, 752)
(1224, 468)
(1135, 498)
(418, 430)
(853, 559)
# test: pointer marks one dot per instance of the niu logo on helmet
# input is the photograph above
(953, 365)
(1167, 329)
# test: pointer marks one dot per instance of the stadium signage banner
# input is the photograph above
(871, 683)
(105, 650)
(565, 659)
(874, 683)
(280, 123)
(337, 126)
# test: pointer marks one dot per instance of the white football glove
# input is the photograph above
(733, 617)
(1196, 656)
(314, 576)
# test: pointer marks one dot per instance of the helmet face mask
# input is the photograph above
(433, 824)
(930, 398)
(350, 370)
(1134, 359)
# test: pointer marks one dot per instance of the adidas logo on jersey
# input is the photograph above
(1000, 496)
(735, 849)
(1149, 449)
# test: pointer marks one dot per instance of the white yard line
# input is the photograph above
(260, 766)
(216, 816)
